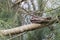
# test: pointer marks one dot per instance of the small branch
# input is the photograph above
(16, 36)
(20, 29)
(24, 28)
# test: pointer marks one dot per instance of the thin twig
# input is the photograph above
(16, 36)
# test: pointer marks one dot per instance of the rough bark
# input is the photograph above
(21, 29)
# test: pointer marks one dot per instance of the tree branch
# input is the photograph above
(24, 28)
(20, 29)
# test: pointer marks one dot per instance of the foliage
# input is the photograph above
(10, 19)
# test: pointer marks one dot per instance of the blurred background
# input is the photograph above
(11, 17)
